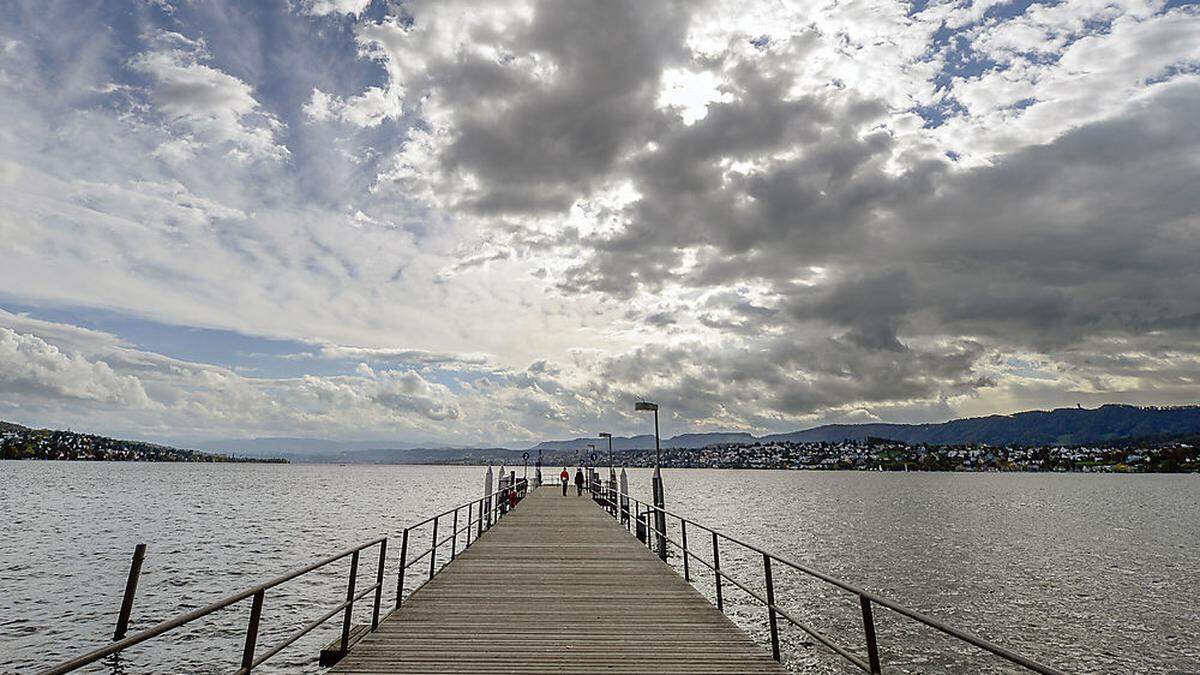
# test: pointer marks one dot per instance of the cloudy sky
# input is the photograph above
(479, 222)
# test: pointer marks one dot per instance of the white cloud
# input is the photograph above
(691, 92)
(1078, 76)
(368, 109)
(217, 109)
(31, 367)
(324, 7)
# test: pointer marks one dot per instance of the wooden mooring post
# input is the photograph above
(131, 584)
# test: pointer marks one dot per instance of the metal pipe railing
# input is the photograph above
(250, 659)
(866, 599)
(489, 513)
(257, 592)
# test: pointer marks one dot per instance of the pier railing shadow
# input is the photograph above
(635, 515)
(481, 515)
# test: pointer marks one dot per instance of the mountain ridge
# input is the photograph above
(1063, 426)
(1060, 426)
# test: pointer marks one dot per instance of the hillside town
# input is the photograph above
(18, 442)
(885, 455)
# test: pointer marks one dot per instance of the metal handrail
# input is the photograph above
(495, 508)
(257, 592)
(461, 506)
(621, 504)
(249, 660)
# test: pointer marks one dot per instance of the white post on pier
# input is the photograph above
(501, 483)
(487, 498)
(624, 499)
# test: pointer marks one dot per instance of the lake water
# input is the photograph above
(1096, 574)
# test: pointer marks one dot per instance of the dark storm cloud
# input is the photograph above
(538, 146)
(864, 248)
(1093, 233)
(790, 376)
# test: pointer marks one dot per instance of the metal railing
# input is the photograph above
(490, 508)
(634, 514)
(487, 510)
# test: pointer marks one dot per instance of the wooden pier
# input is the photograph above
(557, 586)
(554, 585)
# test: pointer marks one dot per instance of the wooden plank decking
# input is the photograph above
(557, 587)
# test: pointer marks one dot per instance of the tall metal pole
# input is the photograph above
(657, 446)
(612, 469)
(660, 516)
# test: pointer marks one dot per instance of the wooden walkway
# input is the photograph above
(557, 586)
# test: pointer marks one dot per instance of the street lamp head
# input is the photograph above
(605, 434)
(645, 405)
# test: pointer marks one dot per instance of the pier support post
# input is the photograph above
(403, 563)
(379, 583)
(349, 603)
(869, 632)
(433, 548)
(660, 515)
(135, 572)
(717, 571)
(252, 631)
(470, 518)
(771, 606)
(687, 575)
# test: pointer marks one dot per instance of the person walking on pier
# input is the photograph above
(579, 482)
(565, 477)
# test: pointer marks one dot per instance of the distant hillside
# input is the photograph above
(19, 442)
(1064, 426)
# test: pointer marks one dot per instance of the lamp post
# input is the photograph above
(660, 517)
(612, 472)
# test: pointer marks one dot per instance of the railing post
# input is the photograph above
(771, 606)
(479, 532)
(454, 536)
(131, 583)
(687, 575)
(651, 523)
(467, 542)
(252, 631)
(403, 562)
(379, 583)
(433, 547)
(350, 605)
(717, 571)
(869, 631)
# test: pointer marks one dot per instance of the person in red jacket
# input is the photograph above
(564, 478)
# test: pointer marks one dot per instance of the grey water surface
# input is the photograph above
(1095, 574)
